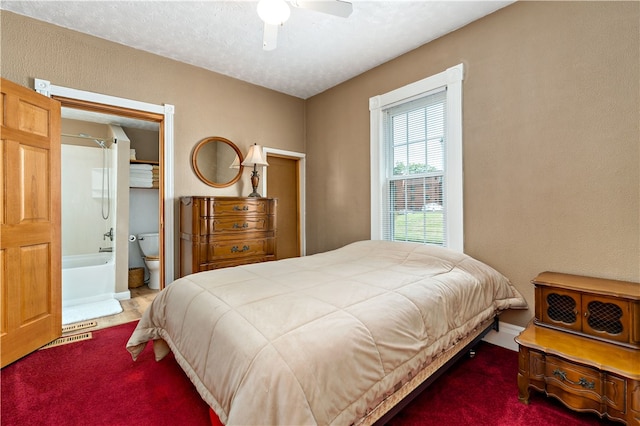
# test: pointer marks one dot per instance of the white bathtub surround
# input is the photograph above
(87, 311)
(87, 278)
(83, 225)
(88, 287)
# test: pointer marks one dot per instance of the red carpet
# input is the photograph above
(484, 391)
(95, 382)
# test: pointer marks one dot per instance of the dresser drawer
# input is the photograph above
(219, 250)
(216, 207)
(235, 224)
(235, 262)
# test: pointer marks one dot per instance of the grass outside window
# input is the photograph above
(419, 226)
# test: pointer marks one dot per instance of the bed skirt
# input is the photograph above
(412, 388)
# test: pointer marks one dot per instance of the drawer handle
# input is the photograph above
(235, 249)
(239, 209)
(582, 381)
(237, 226)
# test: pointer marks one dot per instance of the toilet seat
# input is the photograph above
(152, 257)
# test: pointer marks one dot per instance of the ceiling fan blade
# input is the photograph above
(270, 39)
(337, 7)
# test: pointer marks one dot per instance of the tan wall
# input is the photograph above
(551, 141)
(206, 103)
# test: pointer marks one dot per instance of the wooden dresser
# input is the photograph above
(217, 232)
(583, 346)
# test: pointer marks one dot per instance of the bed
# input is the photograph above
(339, 337)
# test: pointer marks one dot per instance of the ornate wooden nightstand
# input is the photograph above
(583, 346)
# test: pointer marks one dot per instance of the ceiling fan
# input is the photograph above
(275, 12)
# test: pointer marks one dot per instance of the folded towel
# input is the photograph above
(141, 179)
(141, 184)
(141, 173)
(141, 167)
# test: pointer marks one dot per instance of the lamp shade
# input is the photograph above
(255, 157)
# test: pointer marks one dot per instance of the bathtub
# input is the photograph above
(88, 278)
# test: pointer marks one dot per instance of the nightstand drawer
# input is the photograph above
(569, 380)
(575, 379)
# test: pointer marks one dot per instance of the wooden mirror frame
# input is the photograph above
(198, 171)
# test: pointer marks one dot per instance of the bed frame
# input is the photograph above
(396, 402)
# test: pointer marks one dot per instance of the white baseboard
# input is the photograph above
(505, 337)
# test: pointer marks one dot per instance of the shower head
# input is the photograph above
(100, 143)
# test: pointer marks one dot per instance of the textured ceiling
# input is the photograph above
(315, 51)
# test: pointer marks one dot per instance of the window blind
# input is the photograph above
(414, 146)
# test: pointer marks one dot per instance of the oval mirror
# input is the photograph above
(217, 162)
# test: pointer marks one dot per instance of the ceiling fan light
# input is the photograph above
(273, 12)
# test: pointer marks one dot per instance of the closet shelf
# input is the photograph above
(152, 162)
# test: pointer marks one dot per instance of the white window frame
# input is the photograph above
(451, 79)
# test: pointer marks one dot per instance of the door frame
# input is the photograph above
(301, 161)
(97, 102)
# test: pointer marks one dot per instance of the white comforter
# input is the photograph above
(320, 339)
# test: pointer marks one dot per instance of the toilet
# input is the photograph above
(150, 246)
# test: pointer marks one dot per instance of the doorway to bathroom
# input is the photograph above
(94, 108)
(103, 206)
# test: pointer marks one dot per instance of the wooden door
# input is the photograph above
(283, 185)
(30, 245)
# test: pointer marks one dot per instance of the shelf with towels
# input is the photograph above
(144, 174)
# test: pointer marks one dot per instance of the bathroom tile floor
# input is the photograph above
(132, 309)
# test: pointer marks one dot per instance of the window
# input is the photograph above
(416, 162)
